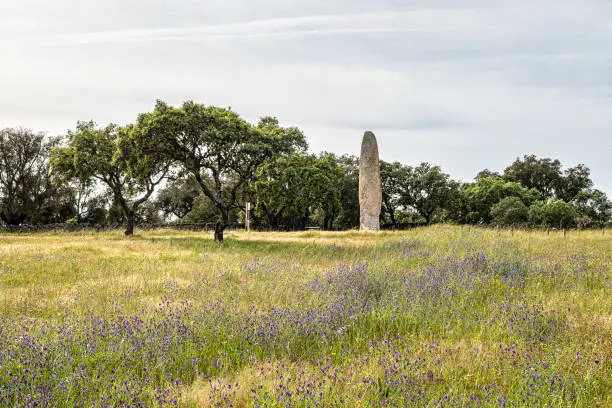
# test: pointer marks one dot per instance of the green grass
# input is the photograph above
(433, 316)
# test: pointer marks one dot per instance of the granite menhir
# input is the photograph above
(370, 187)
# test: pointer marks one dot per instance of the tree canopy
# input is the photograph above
(113, 157)
(478, 199)
(196, 163)
(208, 140)
(27, 190)
(429, 191)
(547, 177)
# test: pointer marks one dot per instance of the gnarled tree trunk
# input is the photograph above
(221, 224)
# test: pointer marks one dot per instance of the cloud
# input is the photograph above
(468, 86)
(316, 25)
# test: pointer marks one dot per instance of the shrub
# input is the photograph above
(510, 211)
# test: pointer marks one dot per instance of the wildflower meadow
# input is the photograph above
(435, 316)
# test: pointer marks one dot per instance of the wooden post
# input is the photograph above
(247, 217)
(564, 232)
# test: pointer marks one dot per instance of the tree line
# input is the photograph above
(202, 164)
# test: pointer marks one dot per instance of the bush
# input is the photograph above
(510, 211)
(555, 213)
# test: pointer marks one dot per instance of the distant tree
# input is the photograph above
(554, 213)
(88, 202)
(113, 157)
(594, 206)
(429, 191)
(204, 211)
(182, 200)
(207, 140)
(114, 215)
(486, 173)
(95, 210)
(177, 198)
(299, 185)
(546, 176)
(330, 186)
(57, 206)
(477, 199)
(349, 192)
(510, 211)
(282, 186)
(395, 179)
(83, 190)
(574, 181)
(148, 213)
(27, 191)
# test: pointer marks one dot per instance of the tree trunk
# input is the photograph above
(304, 219)
(130, 219)
(255, 222)
(270, 220)
(219, 228)
(328, 221)
(275, 222)
(221, 224)
(393, 222)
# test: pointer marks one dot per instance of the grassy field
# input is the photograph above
(439, 316)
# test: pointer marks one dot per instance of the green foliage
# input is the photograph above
(349, 192)
(107, 175)
(575, 180)
(477, 199)
(395, 178)
(510, 211)
(554, 213)
(298, 186)
(329, 189)
(594, 206)
(148, 213)
(546, 176)
(284, 185)
(177, 198)
(207, 140)
(114, 157)
(27, 191)
(429, 191)
(203, 211)
(90, 203)
(486, 173)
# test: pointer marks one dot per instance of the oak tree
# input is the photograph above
(115, 158)
(216, 142)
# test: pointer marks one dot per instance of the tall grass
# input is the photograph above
(443, 316)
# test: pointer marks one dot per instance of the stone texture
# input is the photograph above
(370, 187)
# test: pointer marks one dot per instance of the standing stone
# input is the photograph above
(370, 187)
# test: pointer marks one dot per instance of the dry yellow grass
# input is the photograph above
(52, 278)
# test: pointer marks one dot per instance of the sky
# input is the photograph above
(467, 85)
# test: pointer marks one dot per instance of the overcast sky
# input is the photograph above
(465, 84)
